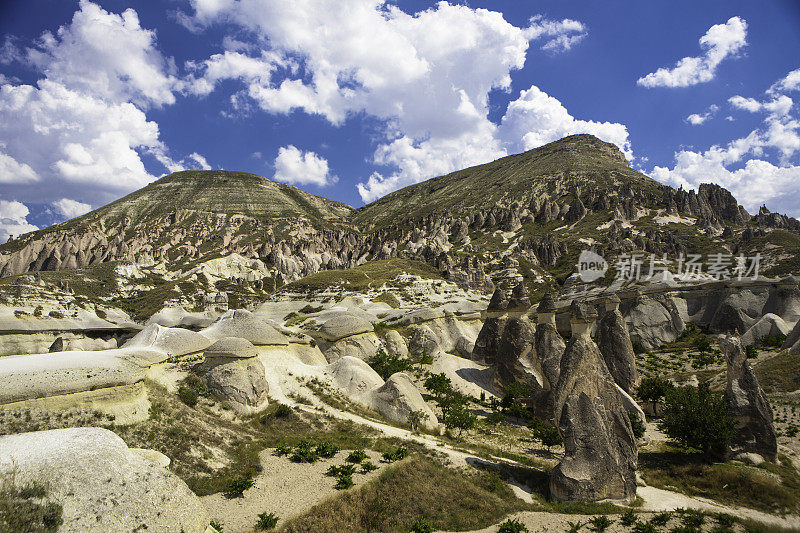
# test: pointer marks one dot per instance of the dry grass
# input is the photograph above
(416, 487)
(774, 488)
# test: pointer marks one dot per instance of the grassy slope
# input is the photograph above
(576, 160)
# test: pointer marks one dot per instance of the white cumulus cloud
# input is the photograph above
(719, 42)
(292, 165)
(426, 75)
(696, 119)
(81, 131)
(742, 165)
(13, 219)
(69, 208)
(536, 118)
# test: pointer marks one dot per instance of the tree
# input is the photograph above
(698, 418)
(387, 364)
(415, 418)
(547, 434)
(460, 418)
(445, 396)
(653, 389)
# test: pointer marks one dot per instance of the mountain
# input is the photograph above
(527, 215)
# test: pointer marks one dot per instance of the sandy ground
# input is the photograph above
(284, 488)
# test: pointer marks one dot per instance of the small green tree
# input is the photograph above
(547, 434)
(459, 417)
(415, 418)
(698, 418)
(653, 390)
(445, 396)
(387, 364)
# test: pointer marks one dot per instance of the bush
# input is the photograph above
(772, 341)
(345, 481)
(341, 470)
(661, 519)
(628, 518)
(512, 526)
(236, 488)
(22, 509)
(187, 395)
(698, 418)
(216, 525)
(547, 434)
(600, 523)
(356, 456)
(327, 450)
(702, 343)
(367, 467)
(282, 411)
(266, 521)
(751, 351)
(421, 526)
(387, 364)
(283, 450)
(305, 453)
(395, 455)
(38, 311)
(644, 527)
(637, 424)
(56, 314)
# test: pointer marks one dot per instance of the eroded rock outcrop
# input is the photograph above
(614, 342)
(515, 360)
(101, 484)
(234, 373)
(550, 345)
(600, 451)
(747, 405)
(399, 400)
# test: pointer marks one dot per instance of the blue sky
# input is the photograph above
(351, 99)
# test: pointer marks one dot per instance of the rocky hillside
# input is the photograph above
(527, 215)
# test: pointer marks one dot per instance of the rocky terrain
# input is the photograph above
(218, 352)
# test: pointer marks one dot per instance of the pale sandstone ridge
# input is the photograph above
(235, 374)
(747, 405)
(101, 484)
(600, 451)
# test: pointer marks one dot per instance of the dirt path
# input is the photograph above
(282, 487)
(655, 500)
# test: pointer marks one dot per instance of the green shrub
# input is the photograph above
(305, 453)
(702, 343)
(216, 525)
(421, 526)
(693, 519)
(236, 488)
(22, 509)
(282, 411)
(772, 341)
(38, 311)
(751, 351)
(698, 418)
(628, 518)
(56, 314)
(600, 523)
(283, 450)
(644, 527)
(345, 481)
(336, 471)
(395, 455)
(367, 466)
(327, 450)
(724, 519)
(387, 364)
(356, 456)
(637, 425)
(266, 521)
(512, 526)
(187, 395)
(661, 519)
(574, 527)
(547, 434)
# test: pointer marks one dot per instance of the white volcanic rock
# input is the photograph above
(172, 341)
(768, 324)
(353, 376)
(24, 377)
(398, 398)
(101, 484)
(244, 324)
(395, 344)
(342, 325)
(171, 317)
(233, 347)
